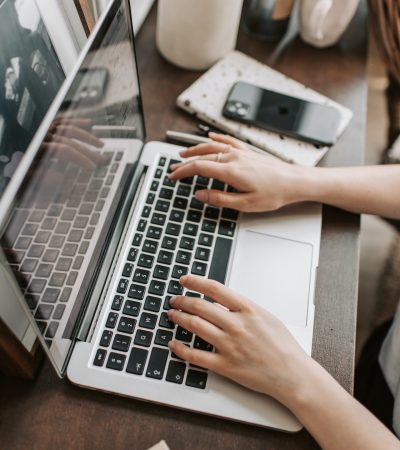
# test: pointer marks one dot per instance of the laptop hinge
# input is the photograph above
(106, 271)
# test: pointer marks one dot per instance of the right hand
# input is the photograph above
(263, 183)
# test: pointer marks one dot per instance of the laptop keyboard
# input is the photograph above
(176, 235)
(48, 240)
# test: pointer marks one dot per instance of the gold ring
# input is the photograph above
(219, 157)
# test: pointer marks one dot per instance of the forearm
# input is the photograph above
(334, 418)
(369, 190)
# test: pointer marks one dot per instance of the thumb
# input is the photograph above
(221, 199)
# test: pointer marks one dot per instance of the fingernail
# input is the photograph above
(182, 279)
(202, 195)
(171, 344)
(172, 300)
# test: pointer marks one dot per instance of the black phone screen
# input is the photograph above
(283, 114)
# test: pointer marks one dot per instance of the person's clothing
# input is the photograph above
(389, 360)
(370, 387)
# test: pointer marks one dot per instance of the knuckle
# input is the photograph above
(194, 323)
(214, 288)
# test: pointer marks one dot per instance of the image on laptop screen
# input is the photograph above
(58, 225)
(30, 77)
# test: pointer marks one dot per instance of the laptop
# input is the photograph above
(95, 237)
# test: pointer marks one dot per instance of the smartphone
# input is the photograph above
(283, 114)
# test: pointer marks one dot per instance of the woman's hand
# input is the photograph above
(263, 183)
(252, 347)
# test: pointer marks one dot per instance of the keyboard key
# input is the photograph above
(169, 183)
(126, 325)
(154, 232)
(51, 295)
(68, 214)
(23, 243)
(146, 261)
(187, 180)
(152, 303)
(117, 302)
(62, 228)
(157, 362)
(162, 206)
(227, 228)
(121, 343)
(192, 294)
(230, 214)
(146, 212)
(166, 305)
(143, 338)
(199, 268)
(81, 222)
(50, 255)
(162, 161)
(30, 229)
(122, 286)
(136, 291)
(180, 203)
(36, 251)
(141, 276)
(36, 216)
(177, 216)
(142, 225)
(137, 239)
(137, 361)
(193, 216)
(44, 311)
(68, 250)
(75, 235)
(220, 259)
(190, 229)
(131, 308)
(183, 257)
(183, 190)
(100, 357)
(176, 372)
(209, 226)
(148, 320)
(59, 311)
(163, 337)
(165, 257)
(179, 271)
(150, 246)
(111, 320)
(150, 198)
(154, 186)
(32, 300)
(183, 335)
(132, 254)
(42, 237)
(202, 253)
(196, 379)
(186, 243)
(89, 233)
(166, 193)
(196, 204)
(172, 162)
(169, 243)
(158, 173)
(106, 338)
(206, 239)
(173, 229)
(201, 344)
(57, 279)
(218, 185)
(211, 213)
(65, 295)
(157, 287)
(161, 272)
(63, 264)
(29, 265)
(158, 219)
(165, 322)
(128, 269)
(116, 361)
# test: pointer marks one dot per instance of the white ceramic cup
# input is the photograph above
(322, 22)
(194, 34)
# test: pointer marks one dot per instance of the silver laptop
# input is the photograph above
(95, 237)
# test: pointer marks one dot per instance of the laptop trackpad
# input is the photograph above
(275, 273)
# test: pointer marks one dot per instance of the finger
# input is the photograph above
(225, 139)
(209, 169)
(201, 358)
(219, 157)
(67, 153)
(71, 131)
(206, 310)
(197, 326)
(217, 291)
(204, 149)
(222, 199)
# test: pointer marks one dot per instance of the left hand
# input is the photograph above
(252, 347)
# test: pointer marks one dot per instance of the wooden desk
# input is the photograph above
(49, 413)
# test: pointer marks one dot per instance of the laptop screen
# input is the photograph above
(69, 187)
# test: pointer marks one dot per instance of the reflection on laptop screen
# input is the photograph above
(55, 233)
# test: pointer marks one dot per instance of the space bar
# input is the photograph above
(220, 259)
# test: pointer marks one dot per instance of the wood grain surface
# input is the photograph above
(49, 413)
